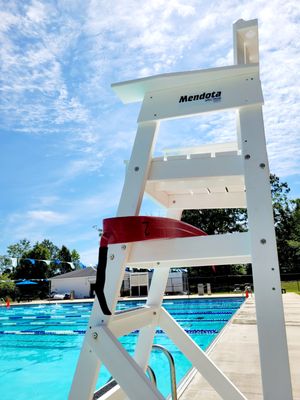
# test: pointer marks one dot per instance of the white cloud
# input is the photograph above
(130, 41)
(8, 20)
(34, 217)
(47, 200)
(36, 12)
(32, 224)
(45, 216)
(33, 66)
(83, 166)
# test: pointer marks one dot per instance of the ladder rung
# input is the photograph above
(128, 321)
(104, 389)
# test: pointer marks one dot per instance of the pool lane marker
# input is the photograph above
(48, 323)
(41, 333)
(84, 316)
(41, 317)
(82, 332)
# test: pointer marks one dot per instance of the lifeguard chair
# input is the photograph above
(234, 175)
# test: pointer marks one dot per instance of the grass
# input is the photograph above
(293, 286)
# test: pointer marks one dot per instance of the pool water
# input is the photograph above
(40, 344)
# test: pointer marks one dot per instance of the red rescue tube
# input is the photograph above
(136, 229)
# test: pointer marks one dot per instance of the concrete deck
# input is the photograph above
(236, 353)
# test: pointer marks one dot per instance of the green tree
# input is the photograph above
(38, 262)
(38, 252)
(75, 256)
(31, 266)
(235, 220)
(64, 258)
(17, 250)
(294, 241)
(215, 221)
(283, 210)
(7, 287)
(34, 262)
(64, 254)
(53, 249)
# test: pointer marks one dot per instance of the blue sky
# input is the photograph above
(64, 133)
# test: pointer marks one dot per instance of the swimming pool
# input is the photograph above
(40, 344)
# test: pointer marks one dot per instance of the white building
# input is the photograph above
(177, 281)
(82, 283)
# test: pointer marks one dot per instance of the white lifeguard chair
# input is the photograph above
(215, 176)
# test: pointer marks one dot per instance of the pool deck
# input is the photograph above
(236, 353)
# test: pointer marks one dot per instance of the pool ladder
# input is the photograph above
(172, 370)
(111, 382)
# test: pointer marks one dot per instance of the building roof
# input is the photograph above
(80, 273)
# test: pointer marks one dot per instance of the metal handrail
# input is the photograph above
(111, 381)
(172, 369)
(152, 375)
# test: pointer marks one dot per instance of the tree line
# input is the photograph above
(36, 262)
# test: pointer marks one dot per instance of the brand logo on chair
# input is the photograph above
(205, 96)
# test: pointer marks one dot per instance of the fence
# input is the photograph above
(237, 283)
(185, 284)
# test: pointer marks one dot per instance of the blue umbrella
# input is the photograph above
(26, 283)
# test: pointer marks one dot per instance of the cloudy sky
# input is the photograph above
(64, 133)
